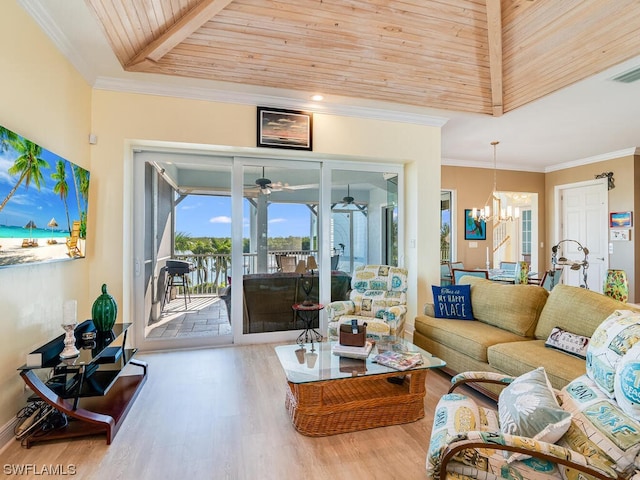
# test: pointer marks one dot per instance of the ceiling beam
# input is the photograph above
(494, 33)
(182, 29)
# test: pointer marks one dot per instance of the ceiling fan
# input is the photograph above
(265, 186)
(348, 200)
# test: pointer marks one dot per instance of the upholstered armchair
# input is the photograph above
(378, 297)
(589, 429)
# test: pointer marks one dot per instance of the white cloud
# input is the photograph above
(220, 219)
(277, 220)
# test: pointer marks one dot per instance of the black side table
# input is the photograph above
(307, 314)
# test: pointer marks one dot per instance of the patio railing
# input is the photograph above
(212, 271)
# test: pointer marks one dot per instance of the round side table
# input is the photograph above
(308, 314)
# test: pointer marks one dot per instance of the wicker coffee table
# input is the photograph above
(328, 394)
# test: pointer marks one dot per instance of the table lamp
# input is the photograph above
(69, 322)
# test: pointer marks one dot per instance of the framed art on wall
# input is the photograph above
(43, 204)
(279, 128)
(620, 219)
(474, 228)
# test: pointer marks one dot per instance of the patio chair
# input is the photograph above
(288, 263)
(378, 298)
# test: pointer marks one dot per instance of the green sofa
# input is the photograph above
(512, 323)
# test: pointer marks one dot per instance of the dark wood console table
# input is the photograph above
(88, 388)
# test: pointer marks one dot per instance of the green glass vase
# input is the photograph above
(104, 311)
(616, 285)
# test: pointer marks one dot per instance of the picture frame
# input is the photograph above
(620, 235)
(280, 128)
(46, 220)
(620, 219)
(474, 229)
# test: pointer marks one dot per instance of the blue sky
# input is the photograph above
(33, 204)
(208, 216)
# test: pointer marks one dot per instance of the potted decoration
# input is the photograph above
(104, 311)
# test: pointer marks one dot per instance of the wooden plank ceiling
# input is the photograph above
(481, 56)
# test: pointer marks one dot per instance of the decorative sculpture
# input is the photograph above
(572, 264)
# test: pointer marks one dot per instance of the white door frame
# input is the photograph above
(558, 191)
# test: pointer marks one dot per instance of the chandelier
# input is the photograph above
(501, 214)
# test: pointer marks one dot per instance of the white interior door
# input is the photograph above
(583, 215)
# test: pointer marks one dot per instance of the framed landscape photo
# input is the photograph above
(474, 228)
(279, 128)
(620, 219)
(43, 215)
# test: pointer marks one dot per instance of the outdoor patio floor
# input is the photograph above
(203, 316)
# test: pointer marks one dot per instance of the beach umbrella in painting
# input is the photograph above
(52, 224)
(31, 225)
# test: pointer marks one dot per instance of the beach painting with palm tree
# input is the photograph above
(43, 203)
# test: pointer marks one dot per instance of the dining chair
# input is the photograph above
(509, 267)
(458, 273)
(445, 273)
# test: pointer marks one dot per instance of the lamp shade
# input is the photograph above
(311, 263)
(301, 267)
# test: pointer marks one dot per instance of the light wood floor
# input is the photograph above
(219, 414)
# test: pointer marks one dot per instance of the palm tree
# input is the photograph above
(28, 165)
(7, 137)
(221, 246)
(81, 181)
(182, 242)
(62, 187)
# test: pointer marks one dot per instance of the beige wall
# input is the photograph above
(472, 188)
(621, 199)
(46, 101)
(123, 119)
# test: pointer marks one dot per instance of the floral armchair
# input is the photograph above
(378, 297)
(590, 429)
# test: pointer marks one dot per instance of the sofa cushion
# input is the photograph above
(379, 277)
(575, 310)
(528, 408)
(609, 343)
(473, 338)
(374, 303)
(605, 427)
(453, 302)
(515, 308)
(516, 358)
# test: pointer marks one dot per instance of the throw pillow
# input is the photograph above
(568, 342)
(528, 408)
(453, 302)
(600, 429)
(609, 342)
(626, 383)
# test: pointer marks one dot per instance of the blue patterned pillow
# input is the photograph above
(452, 302)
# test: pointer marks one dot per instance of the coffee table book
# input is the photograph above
(359, 353)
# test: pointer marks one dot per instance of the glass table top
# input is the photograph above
(315, 362)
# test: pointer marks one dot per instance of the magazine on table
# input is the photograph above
(352, 352)
(398, 360)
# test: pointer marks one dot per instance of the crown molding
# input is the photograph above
(596, 158)
(245, 98)
(450, 162)
(61, 41)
